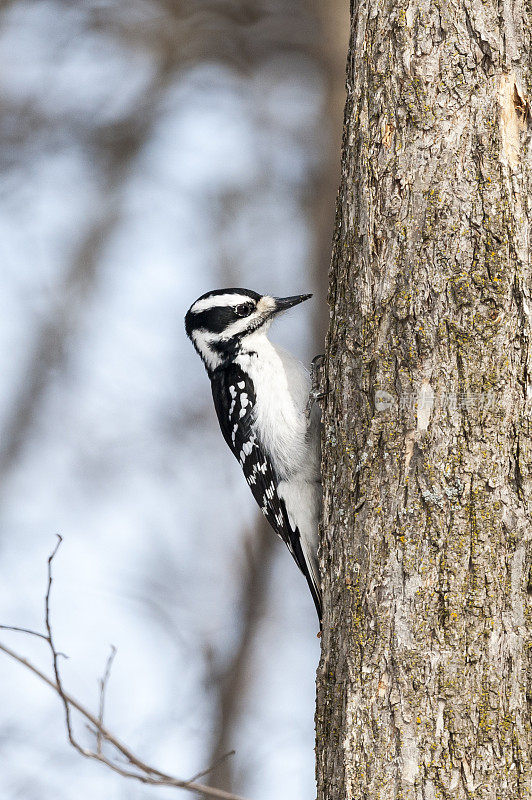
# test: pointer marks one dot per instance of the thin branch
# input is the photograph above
(55, 659)
(31, 632)
(24, 630)
(103, 687)
(138, 769)
(213, 766)
(151, 775)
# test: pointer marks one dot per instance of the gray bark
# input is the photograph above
(424, 684)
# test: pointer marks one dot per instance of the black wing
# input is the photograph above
(234, 401)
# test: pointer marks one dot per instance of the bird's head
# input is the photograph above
(219, 321)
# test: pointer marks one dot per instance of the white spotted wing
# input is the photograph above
(234, 400)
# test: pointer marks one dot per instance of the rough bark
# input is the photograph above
(424, 685)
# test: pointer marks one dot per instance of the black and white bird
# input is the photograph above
(261, 396)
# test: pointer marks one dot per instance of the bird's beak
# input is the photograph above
(282, 303)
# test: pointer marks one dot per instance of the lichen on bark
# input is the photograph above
(424, 688)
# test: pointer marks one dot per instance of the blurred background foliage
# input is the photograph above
(152, 150)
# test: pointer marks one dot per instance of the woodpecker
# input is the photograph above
(261, 396)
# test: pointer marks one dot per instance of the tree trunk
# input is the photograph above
(424, 687)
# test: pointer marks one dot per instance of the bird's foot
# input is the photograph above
(317, 392)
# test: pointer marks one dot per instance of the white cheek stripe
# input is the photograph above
(218, 300)
(201, 341)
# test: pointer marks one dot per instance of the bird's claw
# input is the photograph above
(316, 376)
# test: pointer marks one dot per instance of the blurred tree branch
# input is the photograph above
(120, 143)
(232, 683)
(238, 33)
(134, 767)
(333, 18)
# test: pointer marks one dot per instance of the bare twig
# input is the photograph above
(103, 686)
(24, 630)
(31, 632)
(55, 658)
(136, 768)
(213, 766)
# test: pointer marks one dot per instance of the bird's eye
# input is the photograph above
(244, 309)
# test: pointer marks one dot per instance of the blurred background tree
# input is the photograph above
(153, 150)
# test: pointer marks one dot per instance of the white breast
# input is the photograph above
(281, 390)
